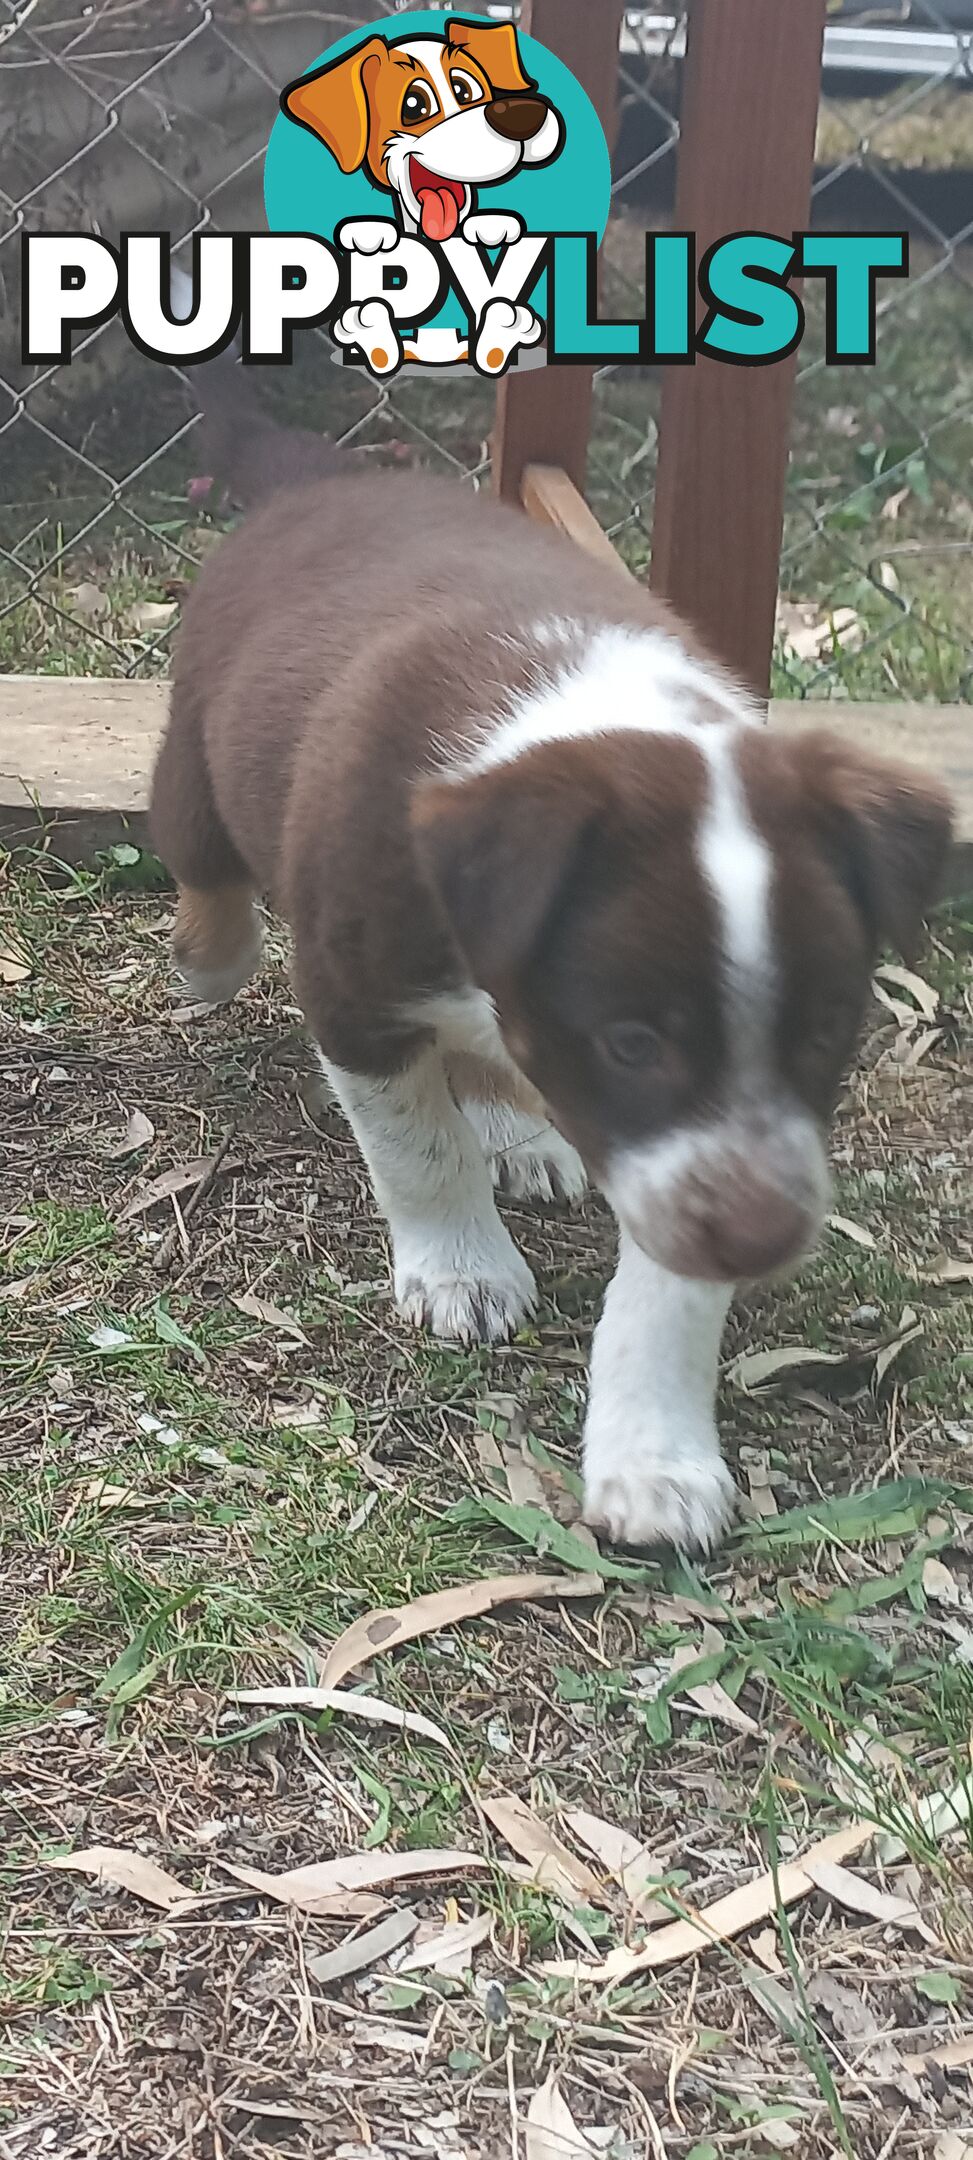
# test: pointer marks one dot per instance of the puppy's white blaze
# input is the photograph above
(738, 868)
(609, 681)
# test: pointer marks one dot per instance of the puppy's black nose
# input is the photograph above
(518, 118)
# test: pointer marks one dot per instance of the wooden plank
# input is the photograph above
(81, 750)
(540, 422)
(549, 495)
(746, 161)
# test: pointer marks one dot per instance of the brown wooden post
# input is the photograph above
(543, 419)
(746, 164)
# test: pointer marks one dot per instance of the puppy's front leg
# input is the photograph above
(457, 1270)
(654, 1473)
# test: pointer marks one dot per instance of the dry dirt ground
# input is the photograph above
(219, 1449)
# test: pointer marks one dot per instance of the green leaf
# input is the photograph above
(131, 1661)
(549, 1539)
(705, 2151)
(939, 1987)
(169, 1331)
(897, 1509)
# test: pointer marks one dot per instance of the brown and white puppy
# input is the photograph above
(431, 120)
(540, 862)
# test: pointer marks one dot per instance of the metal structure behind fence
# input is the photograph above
(155, 113)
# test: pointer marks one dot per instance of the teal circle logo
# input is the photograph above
(445, 127)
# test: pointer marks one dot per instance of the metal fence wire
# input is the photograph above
(155, 114)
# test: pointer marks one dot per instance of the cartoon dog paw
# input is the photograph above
(505, 327)
(368, 236)
(372, 327)
(493, 228)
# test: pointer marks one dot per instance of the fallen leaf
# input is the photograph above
(855, 1232)
(385, 1629)
(109, 1338)
(552, 1865)
(523, 1483)
(148, 616)
(847, 2009)
(358, 1952)
(14, 968)
(950, 1271)
(127, 1871)
(112, 1496)
(952, 2147)
(809, 636)
(450, 1951)
(922, 993)
(388, 2039)
(91, 604)
(892, 505)
(846, 1888)
(759, 1369)
(762, 1494)
(940, 1584)
(316, 1889)
(725, 1919)
(889, 577)
(623, 1857)
(181, 1178)
(273, 1316)
(137, 1134)
(712, 1699)
(551, 2130)
(764, 1949)
(370, 1707)
(953, 2055)
(910, 1330)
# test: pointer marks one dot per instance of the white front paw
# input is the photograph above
(686, 1499)
(493, 228)
(371, 326)
(505, 326)
(540, 1167)
(464, 1296)
(368, 236)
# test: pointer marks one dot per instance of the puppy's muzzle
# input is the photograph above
(517, 118)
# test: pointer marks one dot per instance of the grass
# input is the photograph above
(201, 1500)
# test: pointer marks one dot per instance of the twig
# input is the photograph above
(173, 1242)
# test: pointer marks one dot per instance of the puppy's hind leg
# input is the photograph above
(217, 939)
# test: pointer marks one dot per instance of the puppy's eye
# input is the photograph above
(465, 90)
(630, 1045)
(419, 103)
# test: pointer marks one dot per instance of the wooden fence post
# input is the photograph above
(746, 164)
(542, 419)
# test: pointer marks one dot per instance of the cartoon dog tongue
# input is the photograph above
(438, 211)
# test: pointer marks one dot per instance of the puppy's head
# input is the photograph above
(679, 940)
(430, 118)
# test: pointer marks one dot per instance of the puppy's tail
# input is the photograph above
(244, 457)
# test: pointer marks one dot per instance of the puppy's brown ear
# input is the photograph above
(497, 849)
(333, 104)
(495, 49)
(890, 827)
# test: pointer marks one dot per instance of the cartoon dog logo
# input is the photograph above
(432, 120)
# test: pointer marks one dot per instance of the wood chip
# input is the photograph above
(856, 1233)
(722, 1921)
(377, 1632)
(552, 1865)
(128, 1871)
(370, 1707)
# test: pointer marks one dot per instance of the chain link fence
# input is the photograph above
(155, 114)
